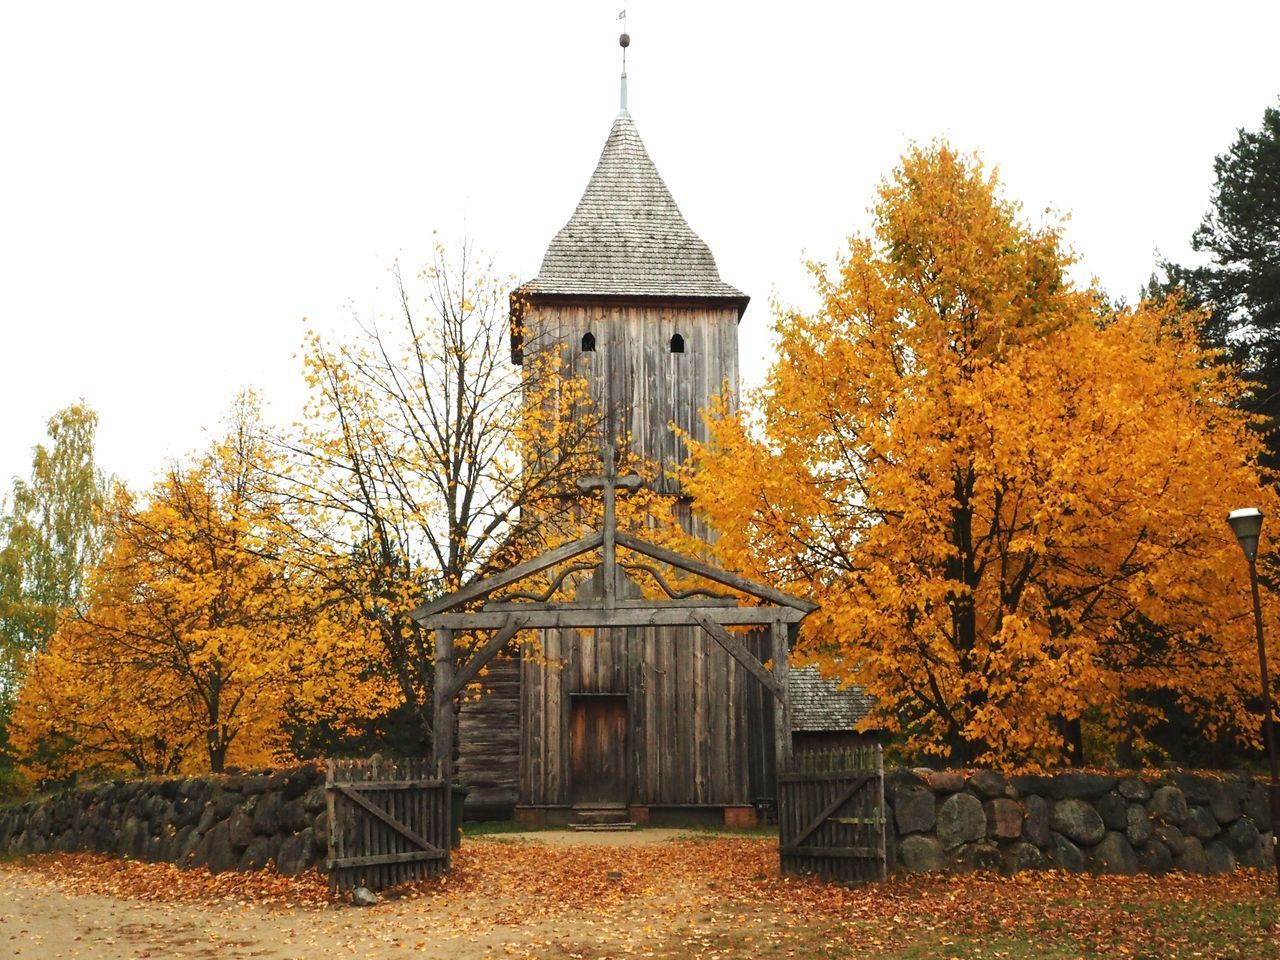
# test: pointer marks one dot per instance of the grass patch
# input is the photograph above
(490, 828)
(767, 832)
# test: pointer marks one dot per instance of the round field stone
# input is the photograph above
(988, 784)
(1133, 789)
(1201, 824)
(1078, 822)
(1257, 807)
(266, 814)
(914, 809)
(1171, 837)
(941, 781)
(1036, 827)
(1080, 786)
(1112, 809)
(1242, 836)
(295, 854)
(1192, 858)
(1067, 855)
(1218, 857)
(1004, 818)
(1169, 805)
(1223, 803)
(293, 816)
(961, 819)
(1115, 855)
(1022, 856)
(978, 856)
(1138, 825)
(241, 826)
(1155, 858)
(919, 854)
(260, 852)
(1193, 786)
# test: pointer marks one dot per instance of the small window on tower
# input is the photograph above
(588, 342)
(677, 343)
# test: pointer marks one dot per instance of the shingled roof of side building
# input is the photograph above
(822, 706)
(627, 237)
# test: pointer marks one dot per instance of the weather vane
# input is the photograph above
(624, 41)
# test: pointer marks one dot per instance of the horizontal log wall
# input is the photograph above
(489, 741)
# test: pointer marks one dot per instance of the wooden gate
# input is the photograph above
(831, 814)
(389, 822)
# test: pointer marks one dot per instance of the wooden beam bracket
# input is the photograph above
(738, 650)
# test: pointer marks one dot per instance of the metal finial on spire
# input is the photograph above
(624, 41)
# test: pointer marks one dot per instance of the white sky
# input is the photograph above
(182, 183)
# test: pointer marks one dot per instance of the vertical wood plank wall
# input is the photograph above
(635, 378)
(701, 727)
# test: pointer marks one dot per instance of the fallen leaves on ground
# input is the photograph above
(94, 874)
(725, 898)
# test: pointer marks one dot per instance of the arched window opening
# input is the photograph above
(677, 343)
(588, 342)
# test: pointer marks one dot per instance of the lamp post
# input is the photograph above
(1246, 524)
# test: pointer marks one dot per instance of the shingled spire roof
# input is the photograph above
(627, 237)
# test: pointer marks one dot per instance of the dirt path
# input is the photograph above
(41, 923)
(551, 897)
(504, 900)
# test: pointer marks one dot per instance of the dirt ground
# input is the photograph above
(654, 893)
(498, 903)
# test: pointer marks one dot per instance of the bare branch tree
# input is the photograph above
(427, 459)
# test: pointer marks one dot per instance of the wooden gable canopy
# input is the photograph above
(603, 607)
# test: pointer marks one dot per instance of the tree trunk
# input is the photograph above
(1072, 740)
(218, 757)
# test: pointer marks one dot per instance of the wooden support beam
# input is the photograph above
(738, 650)
(442, 718)
(484, 655)
(530, 606)
(652, 614)
(486, 586)
(689, 565)
(781, 709)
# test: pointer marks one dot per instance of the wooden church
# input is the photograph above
(657, 723)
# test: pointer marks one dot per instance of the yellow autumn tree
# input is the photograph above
(1007, 496)
(200, 644)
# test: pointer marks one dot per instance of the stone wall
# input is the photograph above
(1127, 823)
(240, 822)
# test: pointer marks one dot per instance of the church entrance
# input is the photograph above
(598, 749)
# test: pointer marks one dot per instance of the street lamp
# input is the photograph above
(1246, 524)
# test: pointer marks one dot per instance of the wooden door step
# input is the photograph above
(601, 827)
(600, 816)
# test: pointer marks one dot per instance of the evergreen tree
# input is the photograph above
(1240, 285)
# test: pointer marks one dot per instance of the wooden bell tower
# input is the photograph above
(631, 297)
(628, 721)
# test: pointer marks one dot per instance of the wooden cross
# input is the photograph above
(608, 483)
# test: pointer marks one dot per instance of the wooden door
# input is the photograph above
(598, 747)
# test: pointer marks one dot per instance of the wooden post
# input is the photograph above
(442, 720)
(782, 708)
